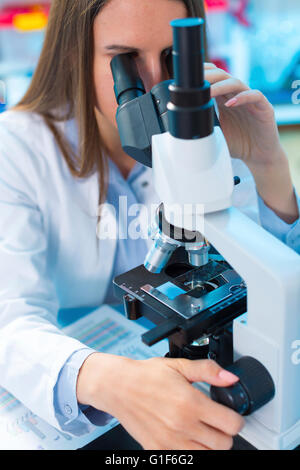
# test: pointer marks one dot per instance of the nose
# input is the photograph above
(152, 70)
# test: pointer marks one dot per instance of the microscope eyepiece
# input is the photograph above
(188, 52)
(191, 109)
(127, 82)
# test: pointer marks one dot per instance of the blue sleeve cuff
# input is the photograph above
(287, 233)
(65, 400)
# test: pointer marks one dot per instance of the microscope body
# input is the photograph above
(246, 288)
(270, 329)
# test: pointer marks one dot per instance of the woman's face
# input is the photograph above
(139, 26)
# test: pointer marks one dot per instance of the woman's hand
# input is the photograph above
(246, 118)
(249, 126)
(155, 401)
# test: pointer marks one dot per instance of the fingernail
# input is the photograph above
(231, 102)
(228, 376)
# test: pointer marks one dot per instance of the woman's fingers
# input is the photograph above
(204, 370)
(222, 84)
(211, 438)
(218, 416)
(249, 97)
(192, 445)
(214, 75)
(209, 66)
(201, 408)
(186, 445)
(228, 86)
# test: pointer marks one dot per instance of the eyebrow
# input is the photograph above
(115, 47)
(119, 47)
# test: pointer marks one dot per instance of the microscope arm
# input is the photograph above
(189, 171)
(271, 271)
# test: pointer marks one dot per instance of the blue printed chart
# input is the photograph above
(105, 330)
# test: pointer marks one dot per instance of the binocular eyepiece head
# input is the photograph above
(128, 84)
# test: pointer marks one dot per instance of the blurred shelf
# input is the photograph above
(16, 68)
(287, 114)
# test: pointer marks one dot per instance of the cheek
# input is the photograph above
(104, 89)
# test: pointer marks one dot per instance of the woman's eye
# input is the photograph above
(168, 51)
(130, 54)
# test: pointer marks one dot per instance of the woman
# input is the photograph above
(59, 150)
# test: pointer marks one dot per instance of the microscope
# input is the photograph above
(214, 284)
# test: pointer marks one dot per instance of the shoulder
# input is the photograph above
(25, 135)
(28, 148)
(24, 119)
(31, 128)
(22, 135)
(20, 126)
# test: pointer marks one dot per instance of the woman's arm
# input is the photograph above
(274, 185)
(248, 123)
(33, 350)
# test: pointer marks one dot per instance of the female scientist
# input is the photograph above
(60, 156)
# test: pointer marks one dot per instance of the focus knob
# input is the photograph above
(254, 389)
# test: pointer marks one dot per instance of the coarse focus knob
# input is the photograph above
(254, 389)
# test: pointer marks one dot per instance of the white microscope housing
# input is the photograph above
(194, 180)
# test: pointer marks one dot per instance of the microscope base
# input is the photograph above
(264, 439)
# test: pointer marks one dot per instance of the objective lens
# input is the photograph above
(159, 255)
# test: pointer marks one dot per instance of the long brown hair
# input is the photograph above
(62, 85)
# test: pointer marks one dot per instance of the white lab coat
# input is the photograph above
(48, 253)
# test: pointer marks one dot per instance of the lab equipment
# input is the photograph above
(22, 28)
(215, 283)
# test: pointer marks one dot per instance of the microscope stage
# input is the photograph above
(182, 298)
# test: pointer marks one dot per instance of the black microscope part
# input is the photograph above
(191, 109)
(127, 82)
(142, 115)
(254, 389)
(219, 307)
(188, 53)
(176, 233)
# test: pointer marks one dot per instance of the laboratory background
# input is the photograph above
(257, 41)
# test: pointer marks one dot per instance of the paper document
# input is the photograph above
(105, 330)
